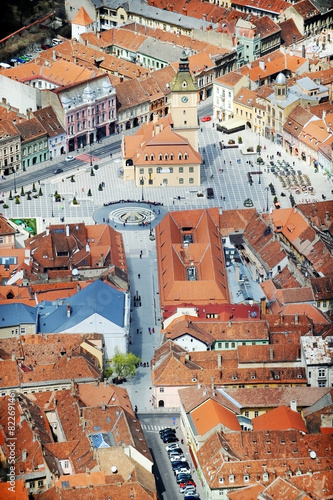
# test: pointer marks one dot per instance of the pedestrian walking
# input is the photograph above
(139, 276)
(140, 330)
(137, 330)
(153, 330)
(149, 330)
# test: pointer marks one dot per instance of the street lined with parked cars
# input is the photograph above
(179, 464)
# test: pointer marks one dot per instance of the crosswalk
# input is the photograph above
(153, 428)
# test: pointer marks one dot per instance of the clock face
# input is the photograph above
(184, 98)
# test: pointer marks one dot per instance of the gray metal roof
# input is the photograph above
(161, 15)
(160, 50)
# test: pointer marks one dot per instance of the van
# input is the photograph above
(55, 41)
(5, 65)
(210, 193)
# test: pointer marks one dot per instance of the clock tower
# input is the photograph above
(184, 103)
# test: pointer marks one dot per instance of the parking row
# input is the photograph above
(179, 464)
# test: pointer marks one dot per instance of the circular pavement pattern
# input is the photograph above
(130, 215)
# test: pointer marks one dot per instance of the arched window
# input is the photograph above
(171, 156)
(185, 156)
(146, 157)
(160, 157)
(179, 156)
(165, 156)
(151, 157)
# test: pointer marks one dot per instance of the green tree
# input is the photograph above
(92, 173)
(100, 187)
(89, 192)
(22, 191)
(40, 193)
(72, 178)
(34, 190)
(123, 365)
(10, 195)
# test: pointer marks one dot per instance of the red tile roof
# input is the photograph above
(280, 418)
(210, 414)
(205, 253)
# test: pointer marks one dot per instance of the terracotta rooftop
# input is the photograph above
(232, 455)
(271, 397)
(210, 414)
(192, 398)
(175, 367)
(280, 418)
(275, 63)
(204, 255)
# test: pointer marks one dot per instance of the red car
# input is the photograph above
(206, 119)
(182, 486)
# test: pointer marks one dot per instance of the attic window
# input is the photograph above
(192, 273)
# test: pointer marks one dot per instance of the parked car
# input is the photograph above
(182, 468)
(182, 477)
(206, 119)
(210, 193)
(179, 458)
(58, 171)
(192, 496)
(168, 434)
(170, 439)
(189, 490)
(183, 486)
(172, 446)
(70, 158)
(167, 429)
(178, 464)
(175, 451)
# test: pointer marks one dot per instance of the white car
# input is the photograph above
(70, 158)
(189, 490)
(172, 446)
(176, 458)
(182, 470)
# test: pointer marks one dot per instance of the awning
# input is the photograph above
(233, 123)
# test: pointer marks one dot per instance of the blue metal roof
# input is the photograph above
(97, 298)
(16, 314)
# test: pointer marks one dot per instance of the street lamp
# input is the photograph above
(51, 195)
(267, 188)
(151, 236)
(142, 181)
(14, 170)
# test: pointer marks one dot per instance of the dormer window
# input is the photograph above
(179, 156)
(146, 157)
(160, 157)
(165, 156)
(152, 158)
(185, 156)
(246, 478)
(171, 156)
(231, 478)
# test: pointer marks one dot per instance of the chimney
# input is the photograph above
(327, 216)
(67, 230)
(263, 305)
(105, 383)
(103, 406)
(262, 65)
(187, 357)
(271, 353)
(303, 51)
(54, 55)
(281, 319)
(296, 319)
(68, 310)
(13, 357)
(47, 230)
(293, 405)
(229, 323)
(219, 360)
(24, 455)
